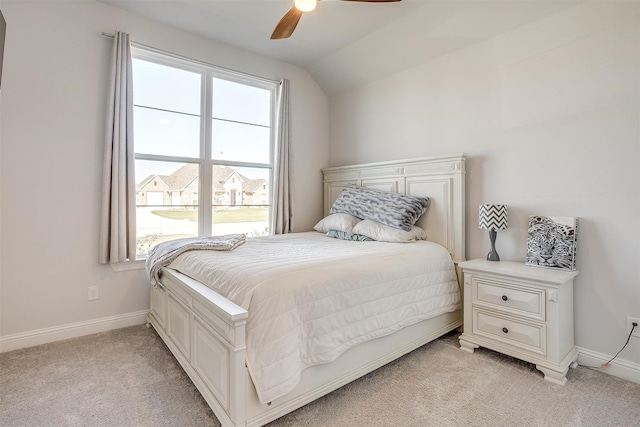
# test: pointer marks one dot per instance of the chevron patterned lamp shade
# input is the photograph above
(492, 218)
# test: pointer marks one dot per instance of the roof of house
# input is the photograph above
(253, 185)
(186, 174)
(181, 178)
(148, 179)
(222, 174)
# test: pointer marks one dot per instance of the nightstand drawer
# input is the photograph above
(520, 301)
(528, 336)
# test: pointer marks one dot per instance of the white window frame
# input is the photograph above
(205, 162)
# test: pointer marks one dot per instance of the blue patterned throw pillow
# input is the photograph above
(343, 235)
(393, 209)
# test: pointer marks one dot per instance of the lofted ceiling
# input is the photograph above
(345, 44)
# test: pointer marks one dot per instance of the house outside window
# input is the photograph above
(204, 145)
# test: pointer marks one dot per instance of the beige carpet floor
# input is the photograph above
(127, 377)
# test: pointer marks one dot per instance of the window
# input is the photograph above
(203, 150)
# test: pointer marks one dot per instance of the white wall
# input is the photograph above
(549, 115)
(52, 108)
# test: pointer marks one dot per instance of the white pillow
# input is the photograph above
(337, 221)
(384, 233)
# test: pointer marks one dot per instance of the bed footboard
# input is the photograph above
(206, 334)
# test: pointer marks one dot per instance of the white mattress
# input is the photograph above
(311, 297)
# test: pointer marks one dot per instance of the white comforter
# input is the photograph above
(311, 297)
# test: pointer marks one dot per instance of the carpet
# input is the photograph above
(127, 377)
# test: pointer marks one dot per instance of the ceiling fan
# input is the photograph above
(288, 23)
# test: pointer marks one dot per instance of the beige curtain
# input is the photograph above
(283, 204)
(118, 221)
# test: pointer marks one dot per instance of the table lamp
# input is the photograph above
(492, 218)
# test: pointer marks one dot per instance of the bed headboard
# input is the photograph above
(440, 178)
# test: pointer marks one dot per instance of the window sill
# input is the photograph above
(129, 265)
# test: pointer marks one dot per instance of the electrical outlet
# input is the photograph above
(630, 322)
(92, 293)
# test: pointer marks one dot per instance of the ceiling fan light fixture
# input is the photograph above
(305, 5)
(290, 20)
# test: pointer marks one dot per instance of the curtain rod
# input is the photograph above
(185, 58)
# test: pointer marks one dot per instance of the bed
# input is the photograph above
(210, 335)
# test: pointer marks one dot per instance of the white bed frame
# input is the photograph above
(206, 332)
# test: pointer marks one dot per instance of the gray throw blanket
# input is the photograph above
(164, 253)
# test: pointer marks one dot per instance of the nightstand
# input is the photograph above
(523, 311)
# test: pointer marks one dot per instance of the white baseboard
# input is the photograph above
(71, 330)
(618, 368)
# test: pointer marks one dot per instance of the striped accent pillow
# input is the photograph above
(393, 209)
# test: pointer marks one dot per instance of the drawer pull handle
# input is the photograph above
(505, 330)
(504, 297)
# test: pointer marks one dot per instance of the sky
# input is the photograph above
(167, 119)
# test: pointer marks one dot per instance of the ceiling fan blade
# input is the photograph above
(287, 24)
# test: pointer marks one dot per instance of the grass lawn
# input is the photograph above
(220, 215)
